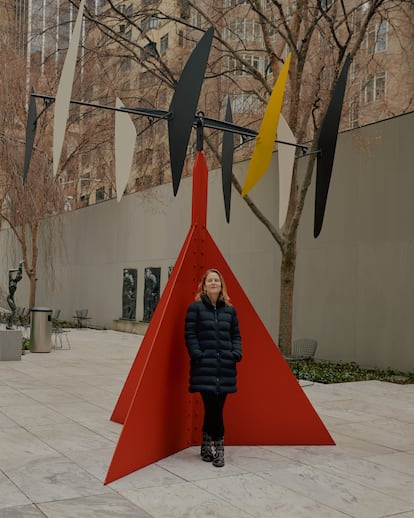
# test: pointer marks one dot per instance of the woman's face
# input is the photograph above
(212, 286)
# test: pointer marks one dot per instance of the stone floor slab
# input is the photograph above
(57, 441)
(101, 506)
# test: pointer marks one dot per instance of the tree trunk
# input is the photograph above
(34, 228)
(32, 295)
(287, 278)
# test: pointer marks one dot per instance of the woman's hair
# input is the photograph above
(223, 292)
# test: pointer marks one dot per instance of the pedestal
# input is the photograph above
(130, 326)
(10, 345)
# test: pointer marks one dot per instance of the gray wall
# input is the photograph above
(353, 284)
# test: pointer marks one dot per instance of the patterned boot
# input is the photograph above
(218, 461)
(206, 451)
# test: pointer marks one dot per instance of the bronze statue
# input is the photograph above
(15, 275)
(151, 293)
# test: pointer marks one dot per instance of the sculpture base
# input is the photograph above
(10, 345)
(130, 326)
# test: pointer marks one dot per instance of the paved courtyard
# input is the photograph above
(56, 442)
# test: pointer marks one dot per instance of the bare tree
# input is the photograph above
(252, 40)
(27, 206)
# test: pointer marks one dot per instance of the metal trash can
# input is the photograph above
(41, 330)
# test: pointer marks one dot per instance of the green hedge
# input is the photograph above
(330, 372)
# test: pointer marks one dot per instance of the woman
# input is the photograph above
(213, 340)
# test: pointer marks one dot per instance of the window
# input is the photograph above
(326, 4)
(149, 23)
(149, 50)
(233, 3)
(377, 37)
(354, 71)
(290, 11)
(380, 86)
(369, 90)
(236, 68)
(164, 43)
(243, 30)
(255, 62)
(354, 112)
(196, 20)
(180, 38)
(84, 200)
(382, 32)
(98, 6)
(85, 181)
(184, 10)
(100, 194)
(241, 103)
(125, 65)
(147, 79)
(266, 66)
(374, 89)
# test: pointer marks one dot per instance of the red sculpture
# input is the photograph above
(160, 416)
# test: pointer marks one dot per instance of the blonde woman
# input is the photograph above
(213, 341)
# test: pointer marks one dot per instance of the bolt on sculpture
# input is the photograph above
(158, 415)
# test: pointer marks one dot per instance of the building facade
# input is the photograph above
(139, 47)
(156, 38)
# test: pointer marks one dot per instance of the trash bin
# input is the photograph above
(41, 330)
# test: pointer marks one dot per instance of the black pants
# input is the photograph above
(213, 414)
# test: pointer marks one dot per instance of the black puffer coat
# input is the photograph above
(213, 340)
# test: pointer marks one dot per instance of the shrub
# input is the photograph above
(331, 372)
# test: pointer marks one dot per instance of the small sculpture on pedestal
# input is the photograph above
(15, 276)
(129, 294)
(151, 292)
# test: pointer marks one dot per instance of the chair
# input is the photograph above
(55, 316)
(57, 333)
(18, 316)
(302, 349)
(24, 319)
(81, 315)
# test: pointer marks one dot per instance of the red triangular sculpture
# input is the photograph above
(160, 416)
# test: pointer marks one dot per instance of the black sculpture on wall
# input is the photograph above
(129, 294)
(151, 291)
(15, 276)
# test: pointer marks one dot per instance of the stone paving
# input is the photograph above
(56, 442)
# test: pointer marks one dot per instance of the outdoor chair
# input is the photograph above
(55, 316)
(24, 321)
(57, 334)
(18, 316)
(81, 317)
(302, 349)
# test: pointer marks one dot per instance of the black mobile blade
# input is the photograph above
(227, 162)
(326, 146)
(184, 105)
(30, 133)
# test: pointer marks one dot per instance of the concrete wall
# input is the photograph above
(353, 284)
(355, 281)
